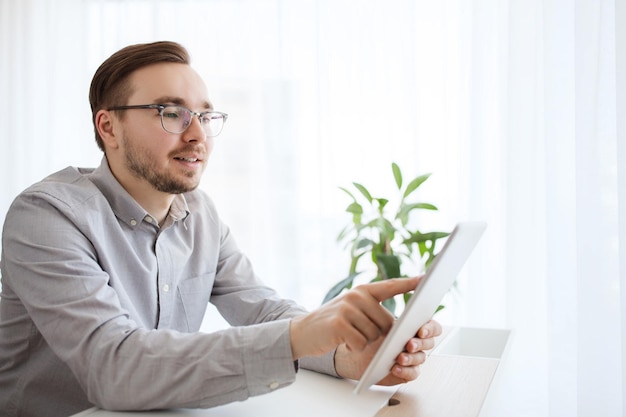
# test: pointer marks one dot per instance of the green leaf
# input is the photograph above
(429, 260)
(389, 265)
(422, 247)
(386, 230)
(354, 261)
(424, 237)
(390, 304)
(425, 206)
(363, 191)
(439, 308)
(363, 243)
(357, 210)
(403, 216)
(382, 202)
(344, 232)
(397, 174)
(405, 210)
(345, 283)
(345, 190)
(382, 226)
(414, 184)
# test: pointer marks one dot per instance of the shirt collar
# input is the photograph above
(124, 205)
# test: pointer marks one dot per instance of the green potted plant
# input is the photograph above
(383, 238)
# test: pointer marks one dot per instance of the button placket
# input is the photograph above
(164, 274)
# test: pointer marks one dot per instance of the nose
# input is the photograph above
(195, 132)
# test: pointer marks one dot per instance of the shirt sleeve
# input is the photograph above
(243, 299)
(324, 364)
(52, 266)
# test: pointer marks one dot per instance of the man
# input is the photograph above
(107, 272)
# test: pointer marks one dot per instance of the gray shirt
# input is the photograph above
(102, 306)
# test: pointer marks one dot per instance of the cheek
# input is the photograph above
(210, 144)
(136, 149)
(146, 139)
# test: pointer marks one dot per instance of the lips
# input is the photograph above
(186, 159)
(189, 155)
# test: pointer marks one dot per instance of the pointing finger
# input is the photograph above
(383, 290)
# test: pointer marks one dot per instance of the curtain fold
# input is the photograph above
(620, 111)
(560, 162)
(516, 107)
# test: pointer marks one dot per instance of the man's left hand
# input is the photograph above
(352, 364)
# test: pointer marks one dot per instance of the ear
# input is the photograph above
(106, 124)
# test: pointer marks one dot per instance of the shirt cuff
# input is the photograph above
(267, 357)
(324, 364)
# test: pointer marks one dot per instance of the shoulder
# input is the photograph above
(57, 211)
(69, 188)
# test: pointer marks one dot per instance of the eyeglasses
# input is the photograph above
(176, 119)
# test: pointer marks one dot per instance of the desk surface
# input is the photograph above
(311, 395)
(449, 385)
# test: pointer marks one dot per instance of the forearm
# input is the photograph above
(167, 369)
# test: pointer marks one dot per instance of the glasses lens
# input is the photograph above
(175, 119)
(212, 123)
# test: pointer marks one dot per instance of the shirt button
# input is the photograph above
(149, 219)
(273, 385)
(133, 222)
(166, 288)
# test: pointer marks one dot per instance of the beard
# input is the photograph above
(140, 163)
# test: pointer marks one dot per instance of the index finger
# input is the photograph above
(382, 290)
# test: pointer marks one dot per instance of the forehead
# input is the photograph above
(172, 80)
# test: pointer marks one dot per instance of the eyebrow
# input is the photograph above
(180, 102)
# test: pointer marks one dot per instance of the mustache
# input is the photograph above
(191, 149)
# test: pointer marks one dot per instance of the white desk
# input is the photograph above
(312, 394)
(454, 382)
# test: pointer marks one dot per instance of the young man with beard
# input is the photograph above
(107, 272)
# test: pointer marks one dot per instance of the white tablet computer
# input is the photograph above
(425, 300)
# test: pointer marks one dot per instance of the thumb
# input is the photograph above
(382, 290)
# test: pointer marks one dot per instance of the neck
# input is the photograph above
(154, 202)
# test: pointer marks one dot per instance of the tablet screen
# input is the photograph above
(426, 298)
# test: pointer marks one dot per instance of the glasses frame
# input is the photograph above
(161, 107)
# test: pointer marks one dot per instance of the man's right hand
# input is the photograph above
(355, 319)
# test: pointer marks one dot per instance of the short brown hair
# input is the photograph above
(110, 86)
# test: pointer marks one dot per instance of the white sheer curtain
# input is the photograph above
(516, 107)
(563, 214)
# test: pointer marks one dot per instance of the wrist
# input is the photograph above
(294, 338)
(344, 366)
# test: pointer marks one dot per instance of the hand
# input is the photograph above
(350, 364)
(354, 320)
